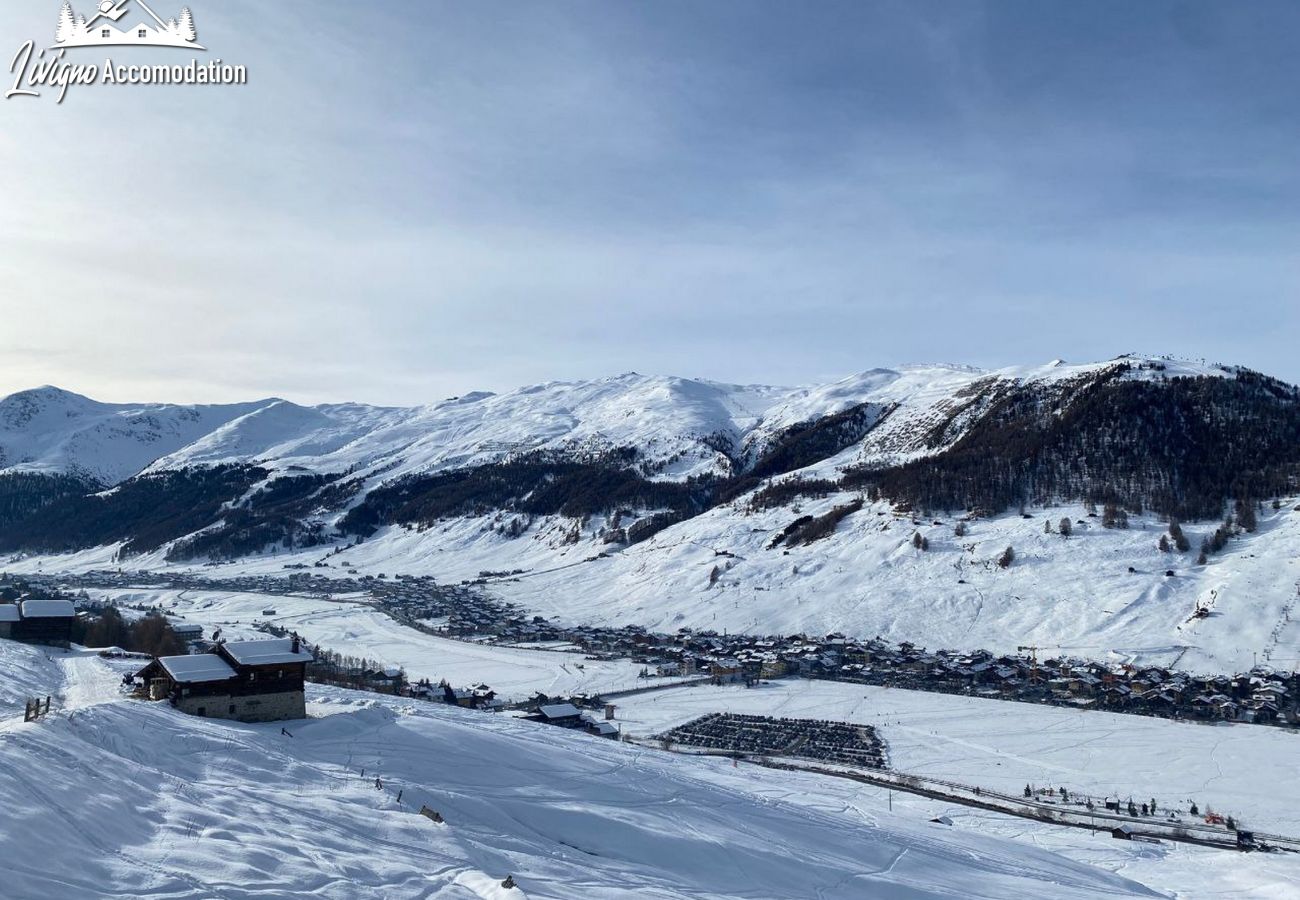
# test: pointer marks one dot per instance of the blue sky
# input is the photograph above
(413, 200)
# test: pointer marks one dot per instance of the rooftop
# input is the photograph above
(559, 711)
(198, 668)
(266, 653)
(48, 609)
(8, 612)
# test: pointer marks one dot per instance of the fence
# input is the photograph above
(35, 709)
(1073, 814)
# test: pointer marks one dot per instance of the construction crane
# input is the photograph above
(1033, 660)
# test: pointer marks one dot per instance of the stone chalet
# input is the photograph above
(249, 681)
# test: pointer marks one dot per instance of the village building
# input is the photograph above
(47, 622)
(565, 715)
(188, 633)
(249, 681)
(8, 619)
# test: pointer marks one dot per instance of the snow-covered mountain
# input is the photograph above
(880, 503)
(681, 427)
(54, 432)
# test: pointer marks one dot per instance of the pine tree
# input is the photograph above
(1246, 516)
(1065, 527)
(1007, 558)
(1164, 543)
(67, 26)
(187, 29)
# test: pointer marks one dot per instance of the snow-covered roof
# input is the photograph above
(48, 609)
(8, 612)
(200, 667)
(265, 653)
(559, 710)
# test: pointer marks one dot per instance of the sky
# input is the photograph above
(410, 201)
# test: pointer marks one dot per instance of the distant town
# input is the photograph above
(1261, 696)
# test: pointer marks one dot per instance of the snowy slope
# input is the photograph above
(668, 419)
(1074, 594)
(51, 431)
(128, 799)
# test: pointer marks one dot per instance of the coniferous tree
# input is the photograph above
(1246, 516)
(1164, 543)
(1007, 558)
(67, 26)
(187, 29)
(1180, 539)
(1066, 528)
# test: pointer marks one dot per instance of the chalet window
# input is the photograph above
(105, 33)
(142, 33)
(252, 676)
(232, 709)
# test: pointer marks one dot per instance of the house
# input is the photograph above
(188, 633)
(38, 622)
(250, 681)
(603, 729)
(8, 619)
(565, 715)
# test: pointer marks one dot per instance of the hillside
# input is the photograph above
(117, 798)
(878, 504)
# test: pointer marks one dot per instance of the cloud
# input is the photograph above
(410, 202)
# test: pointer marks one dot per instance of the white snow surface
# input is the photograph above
(1071, 596)
(119, 798)
(1241, 770)
(52, 431)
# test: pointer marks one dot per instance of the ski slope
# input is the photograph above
(130, 799)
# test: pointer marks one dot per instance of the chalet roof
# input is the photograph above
(201, 667)
(8, 612)
(48, 609)
(558, 711)
(266, 653)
